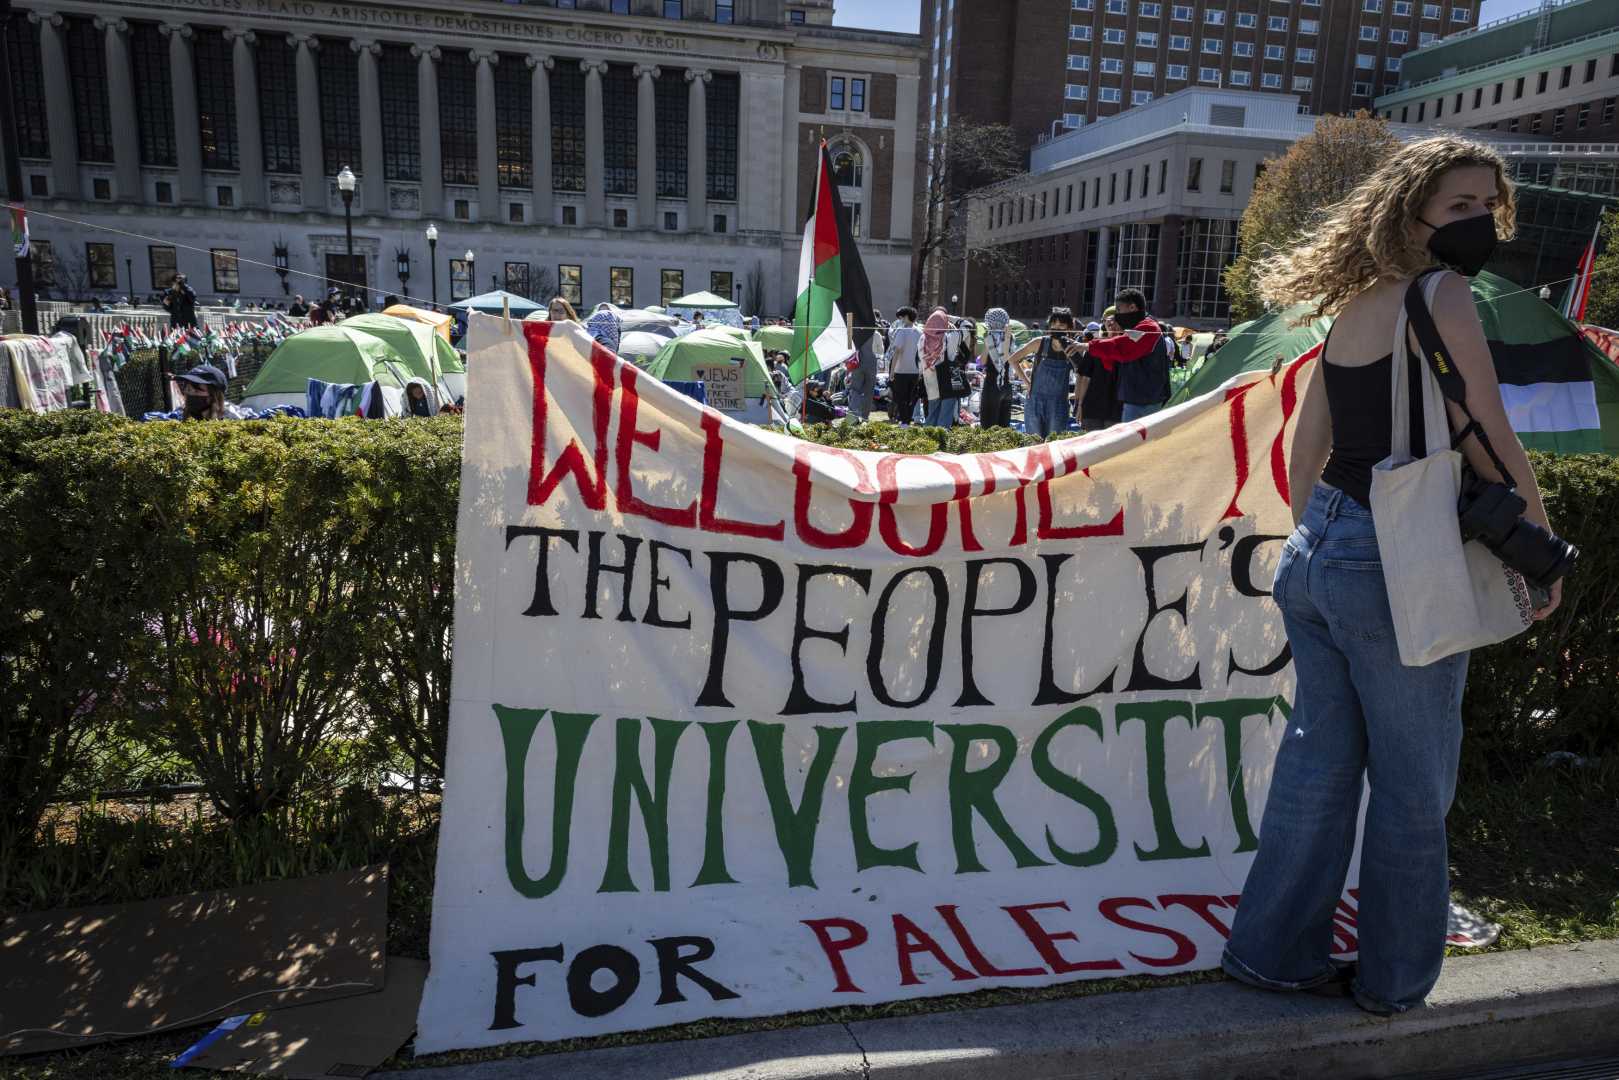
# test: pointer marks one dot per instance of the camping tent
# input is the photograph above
(427, 355)
(1561, 393)
(775, 338)
(332, 354)
(439, 322)
(494, 303)
(684, 358)
(639, 347)
(715, 309)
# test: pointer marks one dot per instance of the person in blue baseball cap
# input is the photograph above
(203, 390)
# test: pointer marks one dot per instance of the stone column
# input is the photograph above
(902, 208)
(187, 134)
(432, 151)
(646, 146)
(1104, 241)
(373, 178)
(488, 151)
(126, 142)
(540, 137)
(697, 150)
(249, 137)
(595, 152)
(64, 133)
(790, 136)
(313, 181)
(1167, 278)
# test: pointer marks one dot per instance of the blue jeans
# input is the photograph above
(1358, 713)
(1138, 412)
(943, 412)
(1045, 410)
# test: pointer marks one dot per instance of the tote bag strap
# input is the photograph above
(1399, 394)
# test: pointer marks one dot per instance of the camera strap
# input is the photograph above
(1451, 383)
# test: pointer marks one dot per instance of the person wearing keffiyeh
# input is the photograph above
(995, 399)
(936, 361)
(606, 327)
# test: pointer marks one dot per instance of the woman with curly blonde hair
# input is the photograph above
(1359, 713)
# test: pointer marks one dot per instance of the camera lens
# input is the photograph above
(1536, 554)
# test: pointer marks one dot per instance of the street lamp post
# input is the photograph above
(472, 271)
(345, 187)
(432, 259)
(129, 268)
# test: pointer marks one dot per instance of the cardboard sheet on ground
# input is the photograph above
(743, 725)
(347, 1037)
(84, 975)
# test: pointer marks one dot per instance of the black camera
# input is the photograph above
(1492, 514)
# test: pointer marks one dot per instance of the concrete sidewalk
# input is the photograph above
(1561, 1001)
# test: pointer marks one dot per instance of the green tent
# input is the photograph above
(332, 354)
(776, 338)
(678, 361)
(1561, 393)
(425, 352)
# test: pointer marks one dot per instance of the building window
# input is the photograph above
(1140, 97)
(1072, 121)
(568, 128)
(154, 101)
(161, 262)
(621, 7)
(460, 279)
(515, 213)
(1564, 76)
(1608, 111)
(28, 89)
(672, 286)
(1517, 89)
(720, 283)
(1149, 10)
(1365, 61)
(340, 105)
(1176, 72)
(1460, 14)
(1402, 7)
(1277, 22)
(1360, 89)
(1534, 124)
(1183, 12)
(1147, 40)
(1309, 26)
(401, 124)
(1214, 17)
(514, 122)
(1079, 63)
(224, 195)
(43, 256)
(101, 265)
(1079, 33)
(1242, 48)
(619, 123)
(1304, 56)
(1430, 11)
(227, 278)
(162, 190)
(571, 284)
(1146, 69)
(278, 105)
(1110, 94)
(458, 117)
(1118, 7)
(1582, 117)
(1112, 65)
(621, 218)
(795, 17)
(1228, 177)
(1208, 75)
(517, 279)
(673, 9)
(724, 104)
(216, 99)
(87, 68)
(1557, 122)
(101, 187)
(1113, 37)
(1371, 7)
(1368, 33)
(1590, 70)
(1495, 95)
(1274, 52)
(1302, 82)
(725, 11)
(1206, 247)
(1241, 78)
(1112, 188)
(1540, 83)
(1212, 45)
(621, 286)
(1194, 174)
(463, 210)
(1069, 200)
(1083, 5)
(839, 85)
(857, 95)
(1180, 42)
(672, 100)
(671, 221)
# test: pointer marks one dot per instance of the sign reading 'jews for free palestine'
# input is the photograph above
(743, 725)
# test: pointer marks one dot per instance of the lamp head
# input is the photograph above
(345, 180)
(432, 233)
(470, 256)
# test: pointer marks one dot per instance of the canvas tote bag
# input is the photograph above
(1446, 596)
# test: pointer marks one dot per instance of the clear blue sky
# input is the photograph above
(905, 15)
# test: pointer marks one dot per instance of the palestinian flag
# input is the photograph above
(19, 232)
(1561, 394)
(832, 285)
(1579, 289)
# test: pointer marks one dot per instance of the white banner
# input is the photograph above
(743, 725)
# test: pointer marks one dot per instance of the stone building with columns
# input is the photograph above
(631, 150)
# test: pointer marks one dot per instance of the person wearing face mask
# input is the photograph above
(995, 397)
(202, 392)
(1137, 354)
(1359, 712)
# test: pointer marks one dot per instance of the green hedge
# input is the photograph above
(266, 606)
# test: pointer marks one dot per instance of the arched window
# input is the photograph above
(849, 156)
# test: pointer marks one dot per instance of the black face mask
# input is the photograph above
(196, 406)
(1129, 319)
(1465, 245)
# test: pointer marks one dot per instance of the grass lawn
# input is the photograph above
(1537, 852)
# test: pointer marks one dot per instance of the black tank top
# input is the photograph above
(1362, 422)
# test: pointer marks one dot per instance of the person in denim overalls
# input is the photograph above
(1045, 410)
(1360, 717)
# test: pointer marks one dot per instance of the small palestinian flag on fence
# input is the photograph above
(832, 285)
(19, 232)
